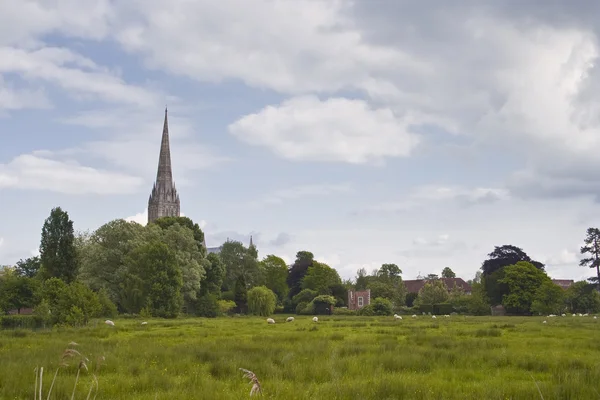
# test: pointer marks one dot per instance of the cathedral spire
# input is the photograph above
(164, 175)
(164, 199)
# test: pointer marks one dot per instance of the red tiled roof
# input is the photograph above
(413, 286)
(563, 283)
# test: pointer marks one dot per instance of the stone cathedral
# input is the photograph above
(164, 200)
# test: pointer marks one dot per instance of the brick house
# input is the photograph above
(357, 299)
(413, 286)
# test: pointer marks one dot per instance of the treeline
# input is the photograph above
(163, 270)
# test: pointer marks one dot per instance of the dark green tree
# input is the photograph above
(28, 267)
(505, 255)
(215, 271)
(58, 255)
(296, 273)
(448, 273)
(523, 280)
(166, 222)
(591, 249)
(241, 294)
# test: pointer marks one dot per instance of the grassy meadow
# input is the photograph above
(337, 358)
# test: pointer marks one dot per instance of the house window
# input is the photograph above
(360, 301)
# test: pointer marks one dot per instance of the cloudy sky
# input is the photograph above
(418, 133)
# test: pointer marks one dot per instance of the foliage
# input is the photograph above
(505, 255)
(322, 305)
(207, 306)
(410, 299)
(17, 291)
(70, 304)
(361, 279)
(58, 255)
(215, 272)
(238, 260)
(305, 296)
(241, 294)
(523, 280)
(433, 292)
(28, 267)
(276, 272)
(153, 280)
(581, 297)
(549, 299)
(382, 306)
(343, 311)
(320, 278)
(167, 222)
(366, 311)
(296, 273)
(225, 306)
(261, 301)
(21, 322)
(591, 248)
(448, 273)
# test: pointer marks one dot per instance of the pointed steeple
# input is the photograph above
(251, 244)
(164, 175)
(164, 199)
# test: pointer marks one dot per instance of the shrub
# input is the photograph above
(442, 309)
(225, 306)
(261, 301)
(21, 322)
(366, 311)
(322, 305)
(207, 306)
(382, 306)
(305, 296)
(343, 311)
(301, 307)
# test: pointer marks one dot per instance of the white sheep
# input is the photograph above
(270, 320)
(447, 316)
(289, 319)
(433, 316)
(595, 317)
(315, 319)
(396, 317)
(109, 322)
(564, 315)
(414, 316)
(544, 322)
(144, 323)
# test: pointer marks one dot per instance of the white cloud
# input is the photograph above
(141, 218)
(29, 171)
(337, 129)
(281, 196)
(12, 98)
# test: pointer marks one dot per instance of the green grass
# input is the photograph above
(337, 358)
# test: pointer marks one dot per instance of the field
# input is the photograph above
(336, 358)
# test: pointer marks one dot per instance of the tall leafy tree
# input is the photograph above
(241, 294)
(215, 271)
(166, 222)
(433, 292)
(28, 267)
(505, 255)
(238, 260)
(591, 249)
(321, 278)
(58, 254)
(448, 273)
(304, 260)
(261, 301)
(361, 279)
(276, 275)
(523, 280)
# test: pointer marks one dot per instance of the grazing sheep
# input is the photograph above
(270, 320)
(315, 319)
(109, 322)
(414, 316)
(289, 319)
(396, 316)
(595, 317)
(564, 315)
(144, 323)
(446, 316)
(544, 322)
(433, 316)
(585, 315)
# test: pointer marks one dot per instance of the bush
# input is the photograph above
(21, 322)
(343, 311)
(301, 307)
(108, 309)
(442, 309)
(225, 306)
(207, 306)
(261, 301)
(382, 306)
(305, 296)
(322, 305)
(366, 311)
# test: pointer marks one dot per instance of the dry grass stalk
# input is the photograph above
(256, 388)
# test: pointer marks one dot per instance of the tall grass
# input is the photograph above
(341, 358)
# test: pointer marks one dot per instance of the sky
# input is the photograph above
(367, 132)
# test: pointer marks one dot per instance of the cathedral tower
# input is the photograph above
(164, 200)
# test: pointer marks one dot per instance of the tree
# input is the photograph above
(382, 306)
(505, 255)
(276, 275)
(154, 280)
(261, 301)
(57, 247)
(215, 271)
(433, 292)
(241, 294)
(448, 273)
(321, 278)
(390, 272)
(28, 267)
(591, 248)
(304, 260)
(17, 292)
(361, 279)
(523, 281)
(167, 222)
(583, 298)
(549, 299)
(238, 260)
